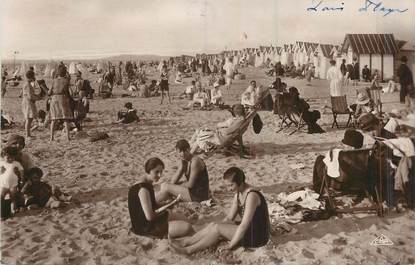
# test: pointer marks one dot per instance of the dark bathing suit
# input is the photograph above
(164, 83)
(140, 225)
(200, 191)
(257, 234)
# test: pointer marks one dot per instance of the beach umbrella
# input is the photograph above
(72, 68)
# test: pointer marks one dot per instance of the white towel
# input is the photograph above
(333, 168)
(401, 147)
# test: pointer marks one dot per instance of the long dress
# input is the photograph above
(29, 101)
(335, 76)
(60, 108)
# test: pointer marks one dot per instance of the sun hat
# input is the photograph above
(353, 138)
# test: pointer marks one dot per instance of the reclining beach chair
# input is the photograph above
(375, 98)
(339, 107)
(287, 114)
(236, 136)
(355, 178)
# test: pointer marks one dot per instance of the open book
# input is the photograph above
(168, 205)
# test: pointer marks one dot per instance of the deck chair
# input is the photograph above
(374, 95)
(339, 107)
(287, 115)
(232, 142)
(355, 178)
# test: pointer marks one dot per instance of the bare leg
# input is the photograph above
(66, 124)
(168, 94)
(168, 190)
(52, 129)
(28, 125)
(215, 233)
(162, 96)
(180, 228)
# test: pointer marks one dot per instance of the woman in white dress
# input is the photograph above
(335, 76)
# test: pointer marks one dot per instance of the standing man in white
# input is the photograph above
(230, 69)
(335, 76)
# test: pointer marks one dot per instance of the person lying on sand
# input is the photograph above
(196, 187)
(253, 230)
(146, 220)
(204, 138)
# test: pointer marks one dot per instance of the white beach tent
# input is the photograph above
(23, 69)
(100, 67)
(80, 68)
(72, 68)
(48, 70)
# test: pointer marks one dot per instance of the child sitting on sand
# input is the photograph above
(40, 194)
(11, 172)
(128, 115)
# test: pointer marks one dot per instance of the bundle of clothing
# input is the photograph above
(298, 206)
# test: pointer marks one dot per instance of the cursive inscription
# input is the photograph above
(323, 7)
(379, 7)
(374, 6)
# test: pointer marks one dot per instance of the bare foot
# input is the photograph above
(177, 248)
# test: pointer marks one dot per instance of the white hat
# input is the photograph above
(216, 84)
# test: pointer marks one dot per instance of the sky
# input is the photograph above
(49, 29)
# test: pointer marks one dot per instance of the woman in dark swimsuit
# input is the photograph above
(164, 83)
(196, 188)
(142, 205)
(253, 231)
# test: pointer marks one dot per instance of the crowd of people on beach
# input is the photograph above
(247, 222)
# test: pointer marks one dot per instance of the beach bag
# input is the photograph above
(257, 123)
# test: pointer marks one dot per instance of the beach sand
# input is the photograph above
(94, 229)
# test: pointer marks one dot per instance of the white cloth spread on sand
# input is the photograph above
(285, 210)
(401, 146)
(305, 198)
(332, 163)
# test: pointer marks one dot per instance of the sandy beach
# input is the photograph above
(95, 227)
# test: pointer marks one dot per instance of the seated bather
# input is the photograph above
(252, 231)
(205, 138)
(196, 186)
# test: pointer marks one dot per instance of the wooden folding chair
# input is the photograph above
(374, 95)
(339, 107)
